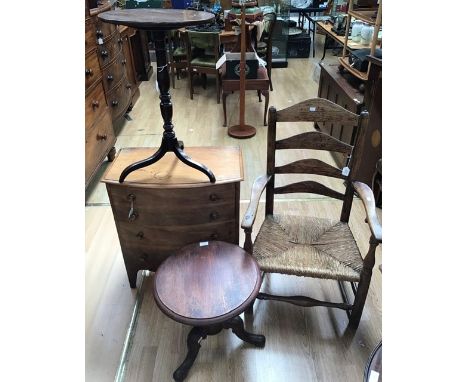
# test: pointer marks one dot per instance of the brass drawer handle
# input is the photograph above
(124, 62)
(100, 137)
(115, 103)
(120, 40)
(99, 33)
(89, 72)
(214, 215)
(214, 197)
(95, 104)
(132, 214)
(110, 77)
(104, 53)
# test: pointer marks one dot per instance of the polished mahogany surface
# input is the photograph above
(206, 283)
(155, 18)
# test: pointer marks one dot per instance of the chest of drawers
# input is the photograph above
(162, 207)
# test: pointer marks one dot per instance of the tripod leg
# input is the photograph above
(198, 166)
(193, 344)
(237, 326)
(143, 163)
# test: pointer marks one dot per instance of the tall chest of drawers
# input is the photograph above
(99, 134)
(162, 207)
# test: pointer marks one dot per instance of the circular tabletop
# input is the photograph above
(206, 283)
(156, 19)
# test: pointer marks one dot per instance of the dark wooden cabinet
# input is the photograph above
(342, 89)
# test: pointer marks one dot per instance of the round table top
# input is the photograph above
(206, 283)
(156, 19)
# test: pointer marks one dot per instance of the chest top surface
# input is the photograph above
(170, 172)
(156, 18)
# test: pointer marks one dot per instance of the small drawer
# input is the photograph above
(196, 205)
(95, 104)
(113, 74)
(119, 98)
(99, 140)
(109, 50)
(149, 247)
(104, 30)
(92, 69)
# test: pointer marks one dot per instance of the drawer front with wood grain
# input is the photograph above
(92, 69)
(180, 207)
(113, 73)
(119, 98)
(104, 30)
(95, 104)
(109, 50)
(98, 141)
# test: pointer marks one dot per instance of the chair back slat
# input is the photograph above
(309, 187)
(317, 110)
(310, 166)
(315, 141)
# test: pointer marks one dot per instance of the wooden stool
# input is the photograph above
(208, 285)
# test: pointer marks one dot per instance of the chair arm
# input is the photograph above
(257, 190)
(367, 197)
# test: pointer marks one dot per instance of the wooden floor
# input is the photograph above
(302, 344)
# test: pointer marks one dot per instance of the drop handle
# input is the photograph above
(89, 72)
(104, 53)
(120, 40)
(101, 137)
(115, 103)
(99, 33)
(214, 215)
(124, 62)
(132, 214)
(95, 104)
(110, 77)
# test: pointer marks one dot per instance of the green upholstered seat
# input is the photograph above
(179, 52)
(205, 61)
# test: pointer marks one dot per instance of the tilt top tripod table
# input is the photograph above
(159, 21)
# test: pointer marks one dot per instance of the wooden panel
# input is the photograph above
(92, 69)
(309, 187)
(225, 162)
(95, 104)
(119, 98)
(104, 30)
(98, 141)
(113, 73)
(310, 166)
(316, 110)
(90, 39)
(158, 207)
(315, 141)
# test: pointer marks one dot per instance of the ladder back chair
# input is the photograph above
(309, 246)
(203, 53)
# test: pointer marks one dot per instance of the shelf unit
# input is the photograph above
(366, 15)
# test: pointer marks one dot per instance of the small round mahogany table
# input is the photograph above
(207, 285)
(159, 21)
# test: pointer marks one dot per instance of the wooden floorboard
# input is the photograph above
(311, 342)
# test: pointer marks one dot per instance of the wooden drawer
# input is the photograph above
(109, 50)
(90, 36)
(92, 69)
(104, 30)
(113, 74)
(179, 207)
(95, 104)
(146, 248)
(99, 140)
(119, 98)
